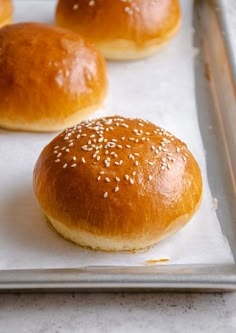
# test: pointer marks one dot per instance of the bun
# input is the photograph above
(50, 78)
(6, 12)
(117, 184)
(122, 30)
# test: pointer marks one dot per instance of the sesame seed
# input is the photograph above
(74, 158)
(98, 158)
(123, 138)
(127, 146)
(150, 163)
(76, 7)
(67, 150)
(150, 177)
(117, 179)
(74, 165)
(91, 3)
(136, 163)
(98, 178)
(127, 177)
(133, 173)
(116, 189)
(71, 144)
(83, 160)
(107, 179)
(184, 158)
(63, 148)
(119, 146)
(105, 195)
(136, 154)
(58, 160)
(168, 166)
(58, 155)
(101, 172)
(55, 152)
(65, 165)
(131, 181)
(56, 147)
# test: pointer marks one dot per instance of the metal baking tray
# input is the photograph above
(215, 78)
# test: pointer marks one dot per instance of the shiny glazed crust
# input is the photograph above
(123, 30)
(50, 78)
(117, 184)
(6, 12)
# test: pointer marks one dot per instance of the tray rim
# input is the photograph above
(152, 278)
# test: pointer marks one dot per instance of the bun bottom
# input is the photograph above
(6, 21)
(97, 242)
(49, 125)
(123, 49)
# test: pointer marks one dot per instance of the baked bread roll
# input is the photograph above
(6, 12)
(117, 184)
(50, 78)
(122, 29)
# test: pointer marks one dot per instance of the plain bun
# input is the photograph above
(6, 12)
(122, 30)
(50, 79)
(117, 184)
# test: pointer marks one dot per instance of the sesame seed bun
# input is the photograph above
(122, 29)
(6, 12)
(117, 184)
(51, 78)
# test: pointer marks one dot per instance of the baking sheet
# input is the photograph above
(160, 89)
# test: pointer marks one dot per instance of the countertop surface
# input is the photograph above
(164, 312)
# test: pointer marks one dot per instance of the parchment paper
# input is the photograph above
(160, 89)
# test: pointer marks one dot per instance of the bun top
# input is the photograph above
(105, 21)
(48, 75)
(124, 173)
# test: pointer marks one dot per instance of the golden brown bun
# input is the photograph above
(6, 12)
(50, 79)
(122, 29)
(117, 184)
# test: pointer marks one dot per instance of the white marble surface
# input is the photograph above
(122, 312)
(118, 313)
